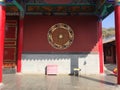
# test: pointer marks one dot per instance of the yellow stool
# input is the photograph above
(76, 71)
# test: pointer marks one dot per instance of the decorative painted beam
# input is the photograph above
(110, 9)
(44, 4)
(19, 7)
(110, 1)
(97, 4)
(104, 11)
(100, 7)
(57, 13)
(15, 3)
(100, 3)
(10, 4)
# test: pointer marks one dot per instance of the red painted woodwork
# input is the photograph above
(11, 20)
(10, 44)
(2, 28)
(10, 32)
(58, 1)
(35, 34)
(10, 53)
(117, 33)
(100, 46)
(20, 42)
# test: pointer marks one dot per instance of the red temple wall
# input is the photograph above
(36, 29)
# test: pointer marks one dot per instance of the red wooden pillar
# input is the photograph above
(117, 34)
(100, 47)
(20, 40)
(2, 29)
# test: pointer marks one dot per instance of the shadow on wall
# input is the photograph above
(75, 62)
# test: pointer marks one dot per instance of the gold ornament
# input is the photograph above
(60, 36)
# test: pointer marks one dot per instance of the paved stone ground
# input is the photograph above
(59, 82)
(107, 81)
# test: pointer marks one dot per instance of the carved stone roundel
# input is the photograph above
(60, 36)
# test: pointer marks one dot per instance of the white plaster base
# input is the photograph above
(89, 64)
(19, 73)
(1, 85)
(117, 87)
(36, 63)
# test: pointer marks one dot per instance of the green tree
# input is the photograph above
(108, 32)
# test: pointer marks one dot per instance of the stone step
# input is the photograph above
(9, 70)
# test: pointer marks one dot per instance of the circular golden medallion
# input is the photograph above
(60, 36)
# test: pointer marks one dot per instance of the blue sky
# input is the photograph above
(108, 22)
